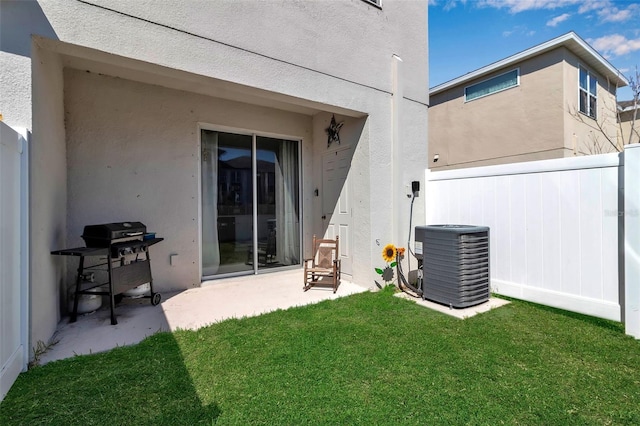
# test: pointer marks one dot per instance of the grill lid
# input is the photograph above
(101, 235)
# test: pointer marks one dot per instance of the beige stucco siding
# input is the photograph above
(515, 123)
(348, 39)
(133, 155)
(583, 134)
(48, 194)
(624, 131)
(121, 142)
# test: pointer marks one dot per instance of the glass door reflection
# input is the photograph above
(227, 202)
(278, 223)
(228, 194)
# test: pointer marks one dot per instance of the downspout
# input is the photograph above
(396, 168)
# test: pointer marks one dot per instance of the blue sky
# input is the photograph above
(465, 35)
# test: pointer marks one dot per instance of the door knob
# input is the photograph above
(324, 217)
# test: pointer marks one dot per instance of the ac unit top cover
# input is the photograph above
(457, 229)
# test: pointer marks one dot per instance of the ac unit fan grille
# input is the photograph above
(455, 264)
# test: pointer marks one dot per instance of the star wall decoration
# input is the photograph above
(333, 131)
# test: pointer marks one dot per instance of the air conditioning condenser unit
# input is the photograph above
(455, 263)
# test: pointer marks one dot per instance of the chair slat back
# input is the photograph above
(326, 252)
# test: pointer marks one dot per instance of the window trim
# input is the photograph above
(587, 91)
(517, 70)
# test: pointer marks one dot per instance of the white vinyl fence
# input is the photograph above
(557, 229)
(13, 257)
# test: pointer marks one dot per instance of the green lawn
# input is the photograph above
(367, 359)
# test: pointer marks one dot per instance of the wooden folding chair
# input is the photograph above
(324, 267)
(266, 251)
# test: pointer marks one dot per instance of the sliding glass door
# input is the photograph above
(250, 203)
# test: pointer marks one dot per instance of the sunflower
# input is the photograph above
(389, 253)
(400, 251)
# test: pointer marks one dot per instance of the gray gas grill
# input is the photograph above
(117, 249)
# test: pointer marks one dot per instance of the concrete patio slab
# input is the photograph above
(463, 313)
(191, 309)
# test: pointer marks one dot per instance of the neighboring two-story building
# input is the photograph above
(207, 121)
(629, 122)
(557, 99)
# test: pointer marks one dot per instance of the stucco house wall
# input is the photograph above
(626, 120)
(584, 135)
(121, 82)
(133, 152)
(535, 120)
(517, 124)
(48, 192)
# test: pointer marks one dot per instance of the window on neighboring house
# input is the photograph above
(588, 93)
(493, 85)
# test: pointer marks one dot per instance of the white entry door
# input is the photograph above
(336, 202)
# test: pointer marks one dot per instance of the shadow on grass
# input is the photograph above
(355, 360)
(144, 384)
(617, 327)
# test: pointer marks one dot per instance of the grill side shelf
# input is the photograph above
(82, 251)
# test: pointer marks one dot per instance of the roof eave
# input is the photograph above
(570, 40)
